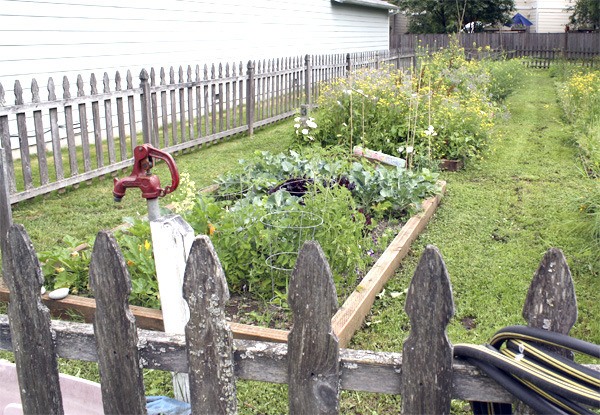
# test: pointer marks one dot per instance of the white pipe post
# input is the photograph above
(172, 239)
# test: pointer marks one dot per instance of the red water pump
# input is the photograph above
(141, 176)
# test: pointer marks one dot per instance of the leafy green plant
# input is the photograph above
(136, 246)
(67, 266)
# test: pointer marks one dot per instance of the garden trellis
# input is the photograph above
(312, 363)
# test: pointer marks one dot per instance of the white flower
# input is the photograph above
(311, 123)
(400, 149)
(305, 131)
(296, 125)
(409, 149)
(297, 119)
(430, 131)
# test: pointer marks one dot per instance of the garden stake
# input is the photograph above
(172, 240)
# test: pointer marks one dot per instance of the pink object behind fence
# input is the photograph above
(80, 396)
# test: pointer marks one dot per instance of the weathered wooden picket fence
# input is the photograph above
(93, 132)
(311, 363)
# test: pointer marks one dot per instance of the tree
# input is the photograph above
(586, 14)
(448, 16)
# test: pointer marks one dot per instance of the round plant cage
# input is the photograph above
(288, 232)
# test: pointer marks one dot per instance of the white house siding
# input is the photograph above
(43, 38)
(547, 16)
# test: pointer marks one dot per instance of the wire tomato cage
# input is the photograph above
(288, 230)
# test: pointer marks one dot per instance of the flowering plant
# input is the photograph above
(304, 128)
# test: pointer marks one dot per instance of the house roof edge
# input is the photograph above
(377, 4)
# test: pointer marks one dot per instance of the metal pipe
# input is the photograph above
(153, 209)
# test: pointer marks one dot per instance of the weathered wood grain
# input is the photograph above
(40, 139)
(5, 208)
(182, 117)
(83, 126)
(313, 349)
(164, 110)
(131, 111)
(7, 149)
(551, 303)
(173, 100)
(108, 122)
(209, 339)
(155, 131)
(54, 133)
(361, 370)
(122, 383)
(427, 352)
(146, 103)
(96, 122)
(69, 128)
(190, 104)
(37, 366)
(250, 97)
(121, 119)
(23, 139)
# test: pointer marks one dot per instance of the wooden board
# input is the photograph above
(345, 322)
(352, 313)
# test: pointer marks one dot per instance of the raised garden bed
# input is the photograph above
(346, 321)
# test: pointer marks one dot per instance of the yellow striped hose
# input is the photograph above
(518, 359)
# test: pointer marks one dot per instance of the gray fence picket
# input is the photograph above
(23, 139)
(96, 122)
(108, 120)
(313, 349)
(83, 127)
(121, 119)
(427, 352)
(37, 366)
(6, 145)
(182, 117)
(54, 133)
(115, 331)
(209, 339)
(131, 108)
(40, 139)
(155, 131)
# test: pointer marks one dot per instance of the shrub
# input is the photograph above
(393, 112)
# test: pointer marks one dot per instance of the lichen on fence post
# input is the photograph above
(427, 353)
(313, 349)
(208, 337)
(37, 366)
(122, 383)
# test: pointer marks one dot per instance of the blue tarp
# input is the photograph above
(520, 20)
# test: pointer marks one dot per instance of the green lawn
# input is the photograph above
(493, 226)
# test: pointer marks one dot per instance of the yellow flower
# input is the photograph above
(147, 245)
(211, 229)
(130, 262)
(59, 270)
(74, 254)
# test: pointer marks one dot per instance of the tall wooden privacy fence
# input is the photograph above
(311, 363)
(82, 130)
(543, 48)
